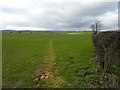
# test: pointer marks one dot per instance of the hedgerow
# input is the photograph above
(107, 46)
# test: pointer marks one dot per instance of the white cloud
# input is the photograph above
(109, 19)
(55, 14)
(25, 28)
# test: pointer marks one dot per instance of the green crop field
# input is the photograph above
(67, 56)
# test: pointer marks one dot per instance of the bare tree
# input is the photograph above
(93, 27)
(96, 27)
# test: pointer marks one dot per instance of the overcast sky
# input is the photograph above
(56, 15)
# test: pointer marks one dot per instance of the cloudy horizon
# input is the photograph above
(64, 15)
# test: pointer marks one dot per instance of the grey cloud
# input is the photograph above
(96, 9)
(59, 15)
(11, 10)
